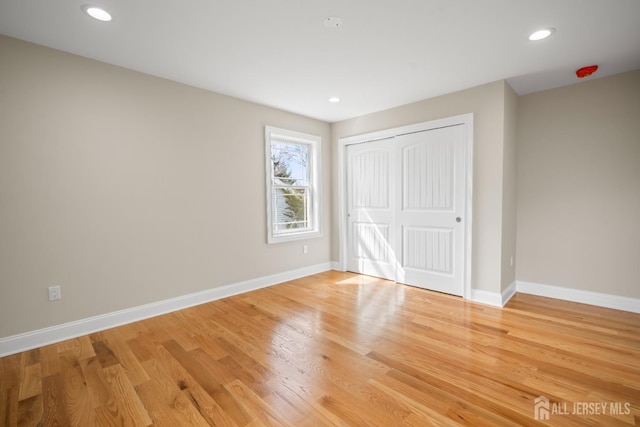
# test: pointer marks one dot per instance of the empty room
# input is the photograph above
(299, 213)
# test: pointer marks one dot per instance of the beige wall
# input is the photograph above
(509, 186)
(579, 186)
(126, 189)
(487, 103)
(121, 187)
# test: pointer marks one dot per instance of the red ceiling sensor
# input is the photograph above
(586, 71)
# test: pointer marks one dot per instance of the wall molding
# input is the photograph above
(577, 295)
(50, 335)
(493, 298)
(41, 337)
(508, 293)
(486, 297)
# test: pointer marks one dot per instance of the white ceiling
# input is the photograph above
(385, 54)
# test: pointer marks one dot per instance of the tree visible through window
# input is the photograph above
(292, 184)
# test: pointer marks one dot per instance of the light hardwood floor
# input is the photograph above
(337, 349)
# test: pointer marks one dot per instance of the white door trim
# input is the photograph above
(467, 121)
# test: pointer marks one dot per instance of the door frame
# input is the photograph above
(466, 120)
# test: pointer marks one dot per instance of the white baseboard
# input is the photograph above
(29, 340)
(580, 296)
(509, 292)
(337, 266)
(493, 298)
(486, 297)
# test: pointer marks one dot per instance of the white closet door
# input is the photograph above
(406, 200)
(370, 184)
(429, 209)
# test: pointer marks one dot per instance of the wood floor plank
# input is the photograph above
(30, 411)
(123, 406)
(455, 408)
(176, 372)
(54, 395)
(209, 383)
(30, 381)
(9, 402)
(310, 414)
(79, 403)
(80, 347)
(49, 360)
(265, 414)
(338, 349)
(248, 363)
(98, 389)
(420, 414)
(165, 402)
(469, 387)
(213, 413)
(104, 354)
(117, 344)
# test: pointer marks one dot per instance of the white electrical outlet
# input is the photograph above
(511, 261)
(305, 249)
(54, 293)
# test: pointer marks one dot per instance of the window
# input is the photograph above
(293, 193)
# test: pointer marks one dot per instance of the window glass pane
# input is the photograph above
(290, 163)
(290, 209)
(293, 193)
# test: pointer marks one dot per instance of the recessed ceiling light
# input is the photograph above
(96, 13)
(334, 99)
(541, 34)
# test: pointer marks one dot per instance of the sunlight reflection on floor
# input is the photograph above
(360, 280)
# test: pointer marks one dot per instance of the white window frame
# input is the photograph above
(314, 142)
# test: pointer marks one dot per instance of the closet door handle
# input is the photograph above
(458, 219)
